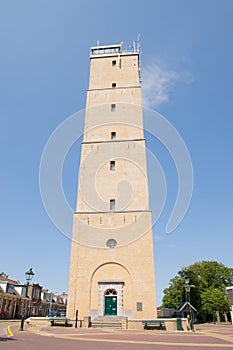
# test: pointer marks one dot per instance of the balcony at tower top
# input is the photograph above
(113, 50)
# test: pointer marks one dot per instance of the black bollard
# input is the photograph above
(76, 319)
(22, 323)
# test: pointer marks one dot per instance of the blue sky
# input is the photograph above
(186, 51)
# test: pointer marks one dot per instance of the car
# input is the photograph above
(62, 312)
(53, 313)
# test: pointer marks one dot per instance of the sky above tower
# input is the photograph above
(186, 64)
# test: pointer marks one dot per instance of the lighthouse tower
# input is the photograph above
(112, 262)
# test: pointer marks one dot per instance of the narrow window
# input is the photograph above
(113, 135)
(112, 204)
(114, 63)
(112, 165)
(113, 107)
(113, 85)
(139, 306)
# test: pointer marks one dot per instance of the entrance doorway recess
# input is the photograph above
(110, 302)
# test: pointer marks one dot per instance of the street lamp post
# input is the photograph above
(29, 275)
(187, 290)
(187, 293)
(51, 301)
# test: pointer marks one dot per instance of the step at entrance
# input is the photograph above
(108, 322)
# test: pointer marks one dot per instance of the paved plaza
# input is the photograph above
(48, 338)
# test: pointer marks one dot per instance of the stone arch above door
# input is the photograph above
(111, 276)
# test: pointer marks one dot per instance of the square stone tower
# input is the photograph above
(112, 263)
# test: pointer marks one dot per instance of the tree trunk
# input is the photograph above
(213, 315)
(218, 317)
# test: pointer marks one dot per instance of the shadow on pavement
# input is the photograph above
(6, 339)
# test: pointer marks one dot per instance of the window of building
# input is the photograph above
(113, 107)
(114, 63)
(112, 204)
(113, 135)
(112, 165)
(111, 243)
(113, 85)
(9, 306)
(10, 288)
(139, 306)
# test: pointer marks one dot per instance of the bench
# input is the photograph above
(59, 320)
(154, 324)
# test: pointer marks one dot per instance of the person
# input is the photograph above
(189, 323)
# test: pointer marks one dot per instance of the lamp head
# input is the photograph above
(29, 275)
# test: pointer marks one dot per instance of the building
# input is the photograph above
(229, 294)
(112, 263)
(17, 300)
(165, 312)
(186, 310)
(8, 298)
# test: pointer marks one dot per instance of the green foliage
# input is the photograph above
(213, 300)
(173, 295)
(3, 274)
(209, 279)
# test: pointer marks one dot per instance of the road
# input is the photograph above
(48, 338)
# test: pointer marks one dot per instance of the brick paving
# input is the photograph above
(50, 338)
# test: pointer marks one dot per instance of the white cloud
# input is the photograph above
(157, 83)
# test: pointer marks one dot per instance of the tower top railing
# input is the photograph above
(113, 49)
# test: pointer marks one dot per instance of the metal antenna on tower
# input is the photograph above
(134, 46)
(138, 50)
(138, 45)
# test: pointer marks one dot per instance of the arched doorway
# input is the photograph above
(110, 302)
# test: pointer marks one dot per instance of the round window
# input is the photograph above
(111, 243)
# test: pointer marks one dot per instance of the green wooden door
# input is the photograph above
(110, 306)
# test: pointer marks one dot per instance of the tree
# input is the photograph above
(173, 295)
(205, 276)
(3, 274)
(214, 302)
